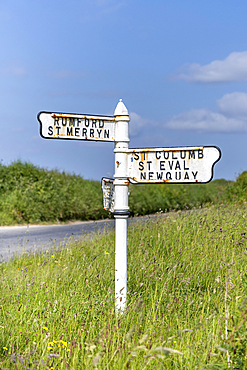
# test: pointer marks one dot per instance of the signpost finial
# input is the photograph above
(121, 109)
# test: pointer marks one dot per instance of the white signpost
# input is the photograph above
(76, 126)
(172, 165)
(154, 165)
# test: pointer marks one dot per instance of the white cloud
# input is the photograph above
(232, 116)
(234, 105)
(204, 120)
(137, 123)
(233, 68)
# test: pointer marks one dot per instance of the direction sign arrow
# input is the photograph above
(76, 126)
(172, 165)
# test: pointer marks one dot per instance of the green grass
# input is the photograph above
(186, 274)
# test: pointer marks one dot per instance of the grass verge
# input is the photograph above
(187, 294)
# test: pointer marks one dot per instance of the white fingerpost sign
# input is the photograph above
(76, 126)
(172, 165)
(149, 165)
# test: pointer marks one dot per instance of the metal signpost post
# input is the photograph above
(121, 208)
(152, 166)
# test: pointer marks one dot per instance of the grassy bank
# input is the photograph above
(186, 309)
(29, 194)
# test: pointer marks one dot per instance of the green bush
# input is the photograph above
(238, 189)
(29, 194)
(146, 199)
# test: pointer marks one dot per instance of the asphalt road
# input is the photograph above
(22, 239)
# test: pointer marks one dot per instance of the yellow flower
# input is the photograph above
(52, 256)
(55, 341)
(68, 350)
(50, 344)
(106, 253)
(5, 348)
(49, 348)
(44, 327)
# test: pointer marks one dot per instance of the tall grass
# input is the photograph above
(186, 309)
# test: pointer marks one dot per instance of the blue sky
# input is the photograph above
(179, 66)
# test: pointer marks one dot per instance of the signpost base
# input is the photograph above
(120, 260)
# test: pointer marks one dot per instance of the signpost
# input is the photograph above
(76, 126)
(172, 165)
(153, 165)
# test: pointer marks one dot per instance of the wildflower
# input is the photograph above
(55, 341)
(68, 350)
(50, 344)
(106, 253)
(45, 328)
(53, 257)
(49, 348)
(5, 348)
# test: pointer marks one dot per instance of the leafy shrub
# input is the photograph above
(238, 189)
(29, 194)
(146, 199)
